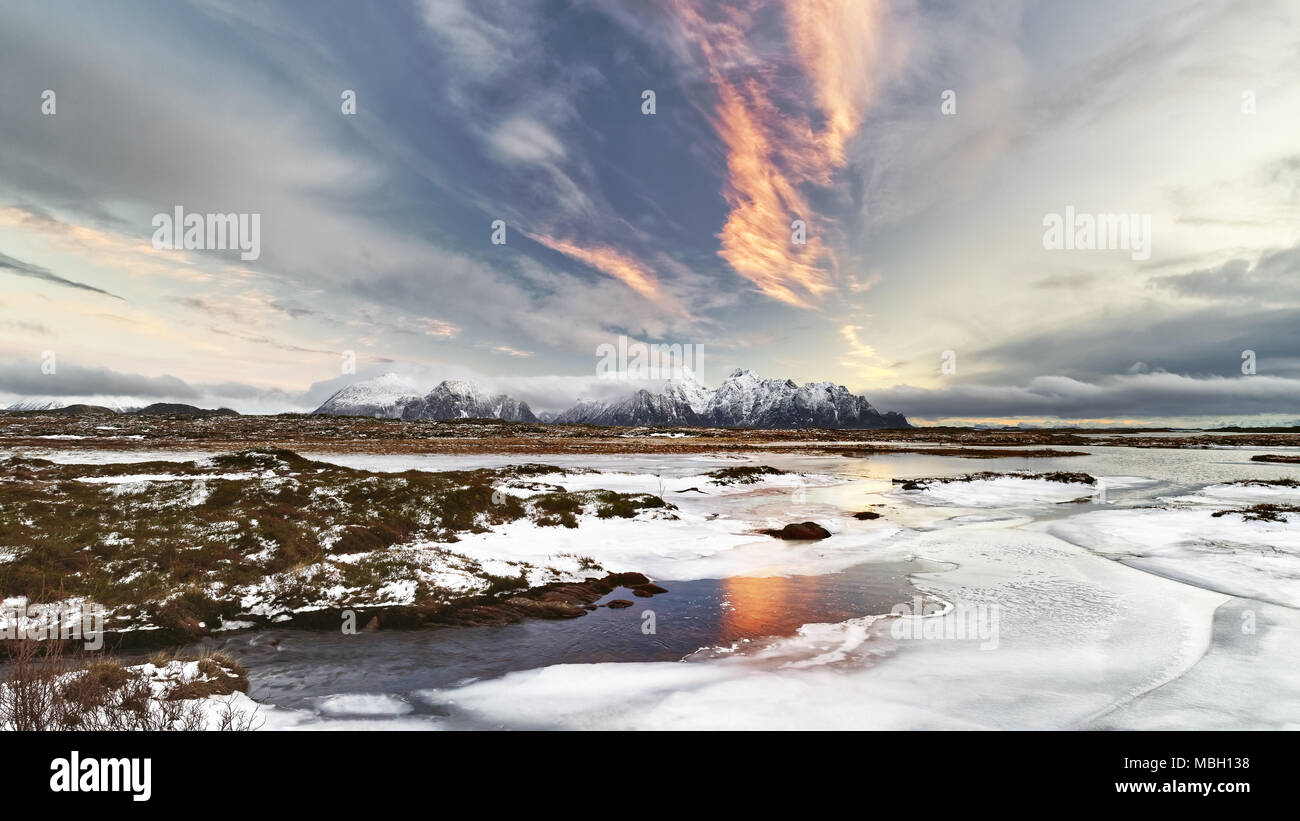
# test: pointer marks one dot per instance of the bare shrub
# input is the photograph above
(43, 690)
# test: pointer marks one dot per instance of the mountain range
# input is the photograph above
(45, 403)
(743, 400)
(65, 408)
(395, 397)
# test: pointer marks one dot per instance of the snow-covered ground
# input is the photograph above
(1185, 540)
(1082, 641)
(1137, 608)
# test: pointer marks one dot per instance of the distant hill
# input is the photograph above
(84, 410)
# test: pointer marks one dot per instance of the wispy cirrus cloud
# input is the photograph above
(25, 269)
(609, 261)
(862, 357)
(509, 351)
(784, 125)
(439, 328)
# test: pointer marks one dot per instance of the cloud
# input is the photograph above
(439, 328)
(24, 269)
(608, 261)
(1202, 342)
(479, 44)
(1272, 279)
(775, 141)
(1067, 281)
(26, 379)
(1136, 395)
(258, 339)
(509, 351)
(859, 285)
(376, 226)
(206, 306)
(862, 358)
(523, 139)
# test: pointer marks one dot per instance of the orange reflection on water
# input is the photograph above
(765, 606)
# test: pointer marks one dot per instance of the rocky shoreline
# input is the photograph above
(554, 601)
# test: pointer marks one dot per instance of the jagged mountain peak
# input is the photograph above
(393, 396)
(459, 386)
(384, 396)
(742, 400)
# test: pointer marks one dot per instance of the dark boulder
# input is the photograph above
(799, 532)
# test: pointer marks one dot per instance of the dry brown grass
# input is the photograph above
(43, 689)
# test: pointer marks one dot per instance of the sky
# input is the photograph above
(924, 146)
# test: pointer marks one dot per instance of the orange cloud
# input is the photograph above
(837, 45)
(509, 351)
(774, 145)
(438, 327)
(608, 261)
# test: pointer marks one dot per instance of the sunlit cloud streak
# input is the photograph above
(778, 139)
(608, 261)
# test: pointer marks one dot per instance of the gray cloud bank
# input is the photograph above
(1146, 396)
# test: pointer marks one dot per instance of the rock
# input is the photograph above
(626, 579)
(619, 604)
(799, 532)
(545, 609)
(645, 591)
(372, 625)
(866, 514)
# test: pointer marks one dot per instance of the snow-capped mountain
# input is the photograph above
(581, 413)
(462, 400)
(385, 396)
(395, 397)
(120, 404)
(641, 408)
(743, 400)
